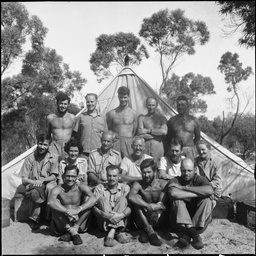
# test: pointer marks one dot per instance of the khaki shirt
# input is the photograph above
(81, 164)
(98, 162)
(34, 169)
(90, 129)
(101, 190)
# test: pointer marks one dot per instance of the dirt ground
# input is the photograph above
(221, 237)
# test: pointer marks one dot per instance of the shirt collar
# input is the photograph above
(119, 187)
(87, 114)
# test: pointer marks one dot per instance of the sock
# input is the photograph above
(149, 230)
(192, 232)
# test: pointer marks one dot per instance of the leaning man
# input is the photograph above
(39, 173)
(71, 204)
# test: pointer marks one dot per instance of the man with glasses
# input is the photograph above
(71, 204)
(191, 204)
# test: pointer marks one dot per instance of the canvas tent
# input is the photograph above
(238, 177)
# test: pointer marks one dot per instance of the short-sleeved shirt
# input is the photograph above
(212, 171)
(90, 129)
(81, 164)
(99, 161)
(169, 167)
(102, 190)
(34, 169)
(130, 168)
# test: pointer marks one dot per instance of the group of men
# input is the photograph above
(123, 168)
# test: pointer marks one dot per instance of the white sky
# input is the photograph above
(74, 26)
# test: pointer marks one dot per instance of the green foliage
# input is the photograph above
(172, 35)
(244, 132)
(191, 85)
(112, 50)
(27, 98)
(16, 28)
(242, 14)
(234, 74)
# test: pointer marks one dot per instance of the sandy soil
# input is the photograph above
(221, 237)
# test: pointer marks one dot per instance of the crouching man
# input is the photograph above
(39, 173)
(112, 207)
(191, 204)
(71, 204)
(148, 197)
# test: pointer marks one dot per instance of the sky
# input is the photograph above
(74, 26)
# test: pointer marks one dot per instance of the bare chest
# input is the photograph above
(65, 122)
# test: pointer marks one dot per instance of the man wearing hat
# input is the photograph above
(123, 121)
(60, 125)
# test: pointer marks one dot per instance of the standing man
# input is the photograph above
(71, 204)
(149, 198)
(112, 208)
(192, 205)
(169, 166)
(39, 173)
(101, 158)
(184, 127)
(123, 121)
(130, 166)
(90, 126)
(152, 127)
(60, 125)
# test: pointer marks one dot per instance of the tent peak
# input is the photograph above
(126, 60)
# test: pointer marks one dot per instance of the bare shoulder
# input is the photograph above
(57, 189)
(111, 112)
(72, 116)
(192, 118)
(51, 117)
(83, 187)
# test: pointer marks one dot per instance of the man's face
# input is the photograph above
(73, 153)
(63, 106)
(123, 99)
(203, 151)
(70, 177)
(187, 171)
(175, 153)
(148, 174)
(138, 147)
(42, 147)
(113, 177)
(182, 106)
(151, 106)
(106, 142)
(91, 103)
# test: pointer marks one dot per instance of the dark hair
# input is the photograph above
(73, 143)
(113, 167)
(204, 143)
(123, 90)
(71, 167)
(62, 96)
(151, 98)
(176, 142)
(42, 137)
(182, 97)
(92, 94)
(148, 163)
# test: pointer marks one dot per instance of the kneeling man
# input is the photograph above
(192, 205)
(149, 198)
(71, 205)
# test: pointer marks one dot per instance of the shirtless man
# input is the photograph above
(71, 205)
(60, 125)
(123, 121)
(149, 197)
(184, 127)
(152, 127)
